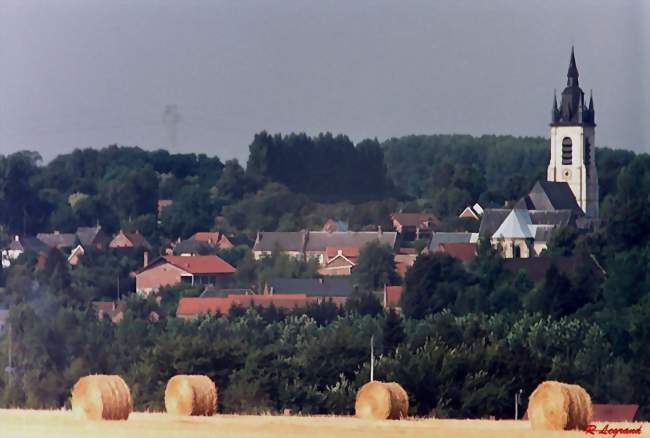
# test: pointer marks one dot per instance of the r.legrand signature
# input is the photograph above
(592, 429)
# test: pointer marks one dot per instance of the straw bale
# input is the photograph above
(191, 395)
(559, 406)
(101, 397)
(381, 401)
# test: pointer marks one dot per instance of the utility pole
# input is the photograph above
(372, 358)
(517, 401)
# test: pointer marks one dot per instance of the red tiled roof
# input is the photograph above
(392, 296)
(612, 412)
(209, 264)
(215, 237)
(350, 251)
(462, 251)
(197, 305)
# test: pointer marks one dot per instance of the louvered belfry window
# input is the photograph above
(567, 150)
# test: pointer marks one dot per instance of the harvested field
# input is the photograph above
(24, 423)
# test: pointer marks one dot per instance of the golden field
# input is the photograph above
(25, 423)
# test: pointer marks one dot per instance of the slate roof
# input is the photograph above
(30, 243)
(87, 235)
(517, 225)
(312, 287)
(549, 195)
(319, 241)
(284, 241)
(213, 291)
(58, 240)
(445, 237)
(193, 246)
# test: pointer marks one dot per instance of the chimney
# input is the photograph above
(16, 238)
(146, 259)
(379, 230)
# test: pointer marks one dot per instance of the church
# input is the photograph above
(569, 196)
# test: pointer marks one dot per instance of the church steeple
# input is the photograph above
(572, 109)
(572, 74)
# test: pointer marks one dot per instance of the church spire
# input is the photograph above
(555, 112)
(591, 100)
(572, 74)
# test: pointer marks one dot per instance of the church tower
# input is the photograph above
(573, 143)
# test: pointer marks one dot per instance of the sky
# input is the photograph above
(90, 73)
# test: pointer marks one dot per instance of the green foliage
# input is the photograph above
(375, 267)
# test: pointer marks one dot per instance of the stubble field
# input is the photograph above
(25, 423)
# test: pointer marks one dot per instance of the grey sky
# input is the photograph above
(89, 73)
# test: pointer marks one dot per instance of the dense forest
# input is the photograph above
(468, 338)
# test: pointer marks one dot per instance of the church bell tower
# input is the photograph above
(573, 143)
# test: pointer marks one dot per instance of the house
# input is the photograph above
(536, 267)
(191, 270)
(110, 309)
(93, 237)
(392, 296)
(126, 240)
(332, 225)
(472, 212)
(291, 243)
(4, 315)
(414, 226)
(338, 289)
(318, 242)
(321, 245)
(465, 252)
(191, 308)
(20, 245)
(202, 243)
(339, 261)
(58, 240)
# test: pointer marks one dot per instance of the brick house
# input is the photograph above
(191, 270)
(126, 240)
(193, 307)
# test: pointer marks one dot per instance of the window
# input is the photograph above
(567, 150)
(587, 153)
(516, 252)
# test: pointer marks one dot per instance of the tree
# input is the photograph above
(375, 267)
(393, 331)
(364, 303)
(433, 283)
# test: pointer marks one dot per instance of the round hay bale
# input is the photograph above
(381, 401)
(101, 397)
(582, 413)
(559, 406)
(191, 395)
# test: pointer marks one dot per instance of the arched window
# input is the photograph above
(567, 150)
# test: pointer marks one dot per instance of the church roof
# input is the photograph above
(517, 225)
(549, 195)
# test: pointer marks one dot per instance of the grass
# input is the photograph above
(26, 423)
